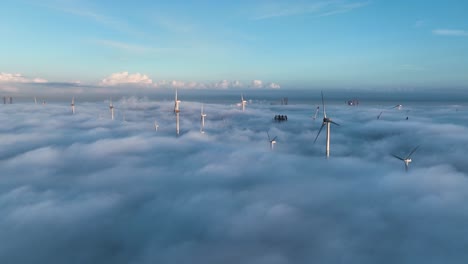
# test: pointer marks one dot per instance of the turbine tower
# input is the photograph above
(408, 159)
(202, 120)
(177, 111)
(176, 103)
(73, 105)
(326, 122)
(243, 102)
(111, 107)
(272, 141)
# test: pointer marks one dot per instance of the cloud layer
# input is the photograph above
(18, 78)
(85, 189)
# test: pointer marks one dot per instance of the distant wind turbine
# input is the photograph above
(177, 111)
(111, 107)
(326, 121)
(176, 103)
(398, 106)
(73, 105)
(243, 102)
(35, 100)
(272, 141)
(156, 126)
(408, 159)
(202, 120)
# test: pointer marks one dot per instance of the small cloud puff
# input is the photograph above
(259, 84)
(126, 78)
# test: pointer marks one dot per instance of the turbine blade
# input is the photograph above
(378, 117)
(274, 138)
(323, 104)
(411, 153)
(268, 136)
(319, 132)
(398, 157)
(334, 123)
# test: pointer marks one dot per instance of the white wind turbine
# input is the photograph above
(202, 120)
(111, 108)
(156, 126)
(326, 121)
(73, 105)
(408, 159)
(243, 102)
(272, 141)
(176, 103)
(177, 111)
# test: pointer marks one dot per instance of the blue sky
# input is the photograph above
(299, 44)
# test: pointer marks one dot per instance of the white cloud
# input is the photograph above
(256, 84)
(126, 78)
(450, 32)
(274, 86)
(19, 78)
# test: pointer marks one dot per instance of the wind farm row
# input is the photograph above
(272, 140)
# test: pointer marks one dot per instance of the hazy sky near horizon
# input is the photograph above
(339, 43)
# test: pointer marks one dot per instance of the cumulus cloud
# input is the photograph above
(86, 188)
(126, 78)
(19, 78)
(274, 86)
(257, 84)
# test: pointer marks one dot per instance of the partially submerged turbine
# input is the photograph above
(407, 160)
(156, 126)
(243, 102)
(202, 120)
(111, 108)
(176, 103)
(177, 111)
(73, 105)
(272, 141)
(326, 122)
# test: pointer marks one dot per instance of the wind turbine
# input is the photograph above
(73, 105)
(202, 120)
(156, 126)
(176, 103)
(111, 107)
(326, 121)
(408, 159)
(35, 100)
(177, 111)
(398, 106)
(316, 112)
(272, 141)
(243, 102)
